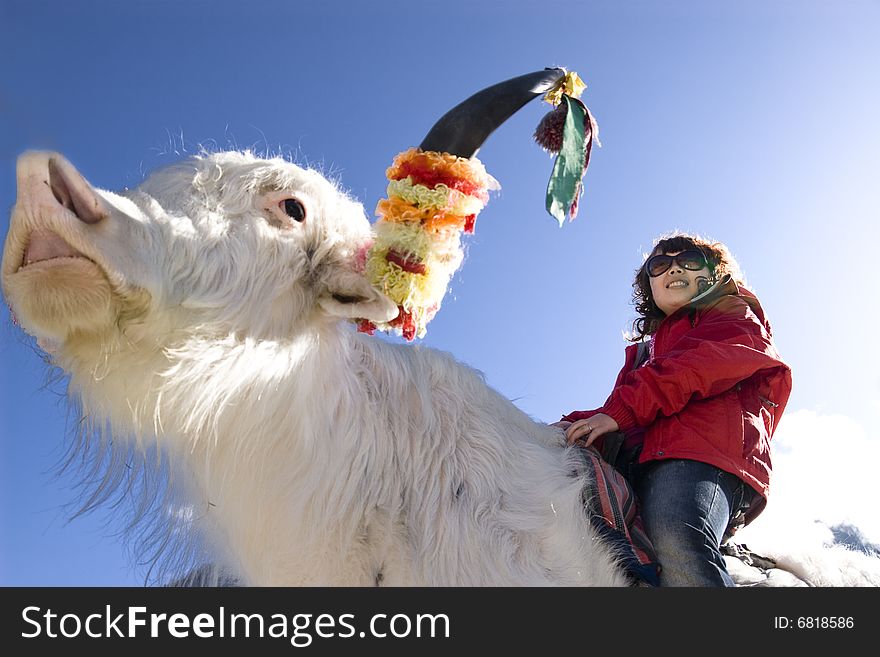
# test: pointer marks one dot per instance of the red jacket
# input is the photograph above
(713, 389)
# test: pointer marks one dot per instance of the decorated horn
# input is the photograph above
(436, 191)
(464, 128)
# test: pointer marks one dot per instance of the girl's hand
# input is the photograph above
(584, 432)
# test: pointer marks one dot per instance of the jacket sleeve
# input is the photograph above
(728, 345)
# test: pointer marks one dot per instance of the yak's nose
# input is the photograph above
(52, 194)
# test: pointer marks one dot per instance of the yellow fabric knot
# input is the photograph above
(570, 85)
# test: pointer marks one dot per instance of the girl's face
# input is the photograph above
(676, 286)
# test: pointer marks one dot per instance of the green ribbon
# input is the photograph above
(565, 181)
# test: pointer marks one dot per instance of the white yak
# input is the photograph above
(205, 311)
(194, 311)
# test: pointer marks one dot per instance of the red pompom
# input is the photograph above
(548, 134)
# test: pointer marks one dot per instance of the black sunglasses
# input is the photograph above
(691, 259)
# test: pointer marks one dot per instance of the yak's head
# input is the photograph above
(226, 242)
(221, 244)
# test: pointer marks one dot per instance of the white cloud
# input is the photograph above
(824, 469)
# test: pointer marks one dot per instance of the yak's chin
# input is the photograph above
(57, 297)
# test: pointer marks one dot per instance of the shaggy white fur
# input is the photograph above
(194, 314)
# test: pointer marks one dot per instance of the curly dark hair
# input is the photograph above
(721, 262)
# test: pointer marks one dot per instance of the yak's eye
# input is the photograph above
(293, 209)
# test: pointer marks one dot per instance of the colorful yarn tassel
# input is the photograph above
(432, 198)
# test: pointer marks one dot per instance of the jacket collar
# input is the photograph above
(725, 285)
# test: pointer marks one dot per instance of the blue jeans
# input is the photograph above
(686, 507)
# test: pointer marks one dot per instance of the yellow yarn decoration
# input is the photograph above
(439, 198)
(415, 293)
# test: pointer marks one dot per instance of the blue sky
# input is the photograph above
(751, 122)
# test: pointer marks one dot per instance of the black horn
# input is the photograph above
(464, 128)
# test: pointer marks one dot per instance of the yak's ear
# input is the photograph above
(350, 295)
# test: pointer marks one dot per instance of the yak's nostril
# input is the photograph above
(75, 194)
(59, 191)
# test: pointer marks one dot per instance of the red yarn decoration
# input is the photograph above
(366, 326)
(405, 322)
(430, 178)
(406, 264)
